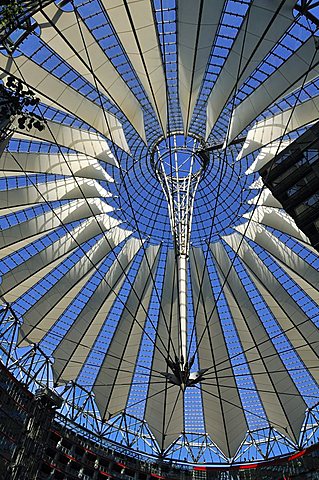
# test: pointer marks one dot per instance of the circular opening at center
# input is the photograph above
(177, 156)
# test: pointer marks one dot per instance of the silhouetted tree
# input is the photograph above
(15, 103)
(10, 12)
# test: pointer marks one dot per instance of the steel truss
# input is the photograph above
(179, 169)
(125, 433)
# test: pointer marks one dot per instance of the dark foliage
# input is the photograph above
(15, 100)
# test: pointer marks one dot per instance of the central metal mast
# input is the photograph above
(179, 171)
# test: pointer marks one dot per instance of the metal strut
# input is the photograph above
(179, 171)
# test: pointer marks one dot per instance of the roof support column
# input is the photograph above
(182, 263)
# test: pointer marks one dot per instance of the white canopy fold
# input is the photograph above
(197, 23)
(88, 143)
(164, 405)
(272, 128)
(224, 413)
(301, 67)
(263, 26)
(78, 165)
(113, 382)
(297, 326)
(73, 350)
(70, 38)
(134, 25)
(54, 92)
(284, 406)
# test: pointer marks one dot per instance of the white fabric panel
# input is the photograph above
(41, 329)
(165, 409)
(39, 225)
(266, 199)
(82, 141)
(113, 382)
(299, 335)
(64, 36)
(36, 322)
(303, 284)
(73, 350)
(224, 417)
(134, 24)
(266, 154)
(9, 210)
(54, 163)
(280, 251)
(268, 130)
(197, 23)
(257, 184)
(54, 92)
(285, 79)
(299, 329)
(81, 234)
(66, 189)
(284, 406)
(48, 308)
(278, 219)
(31, 280)
(16, 246)
(164, 406)
(267, 22)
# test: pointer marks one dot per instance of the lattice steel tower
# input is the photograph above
(179, 168)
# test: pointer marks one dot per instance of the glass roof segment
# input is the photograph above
(231, 21)
(165, 14)
(89, 264)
